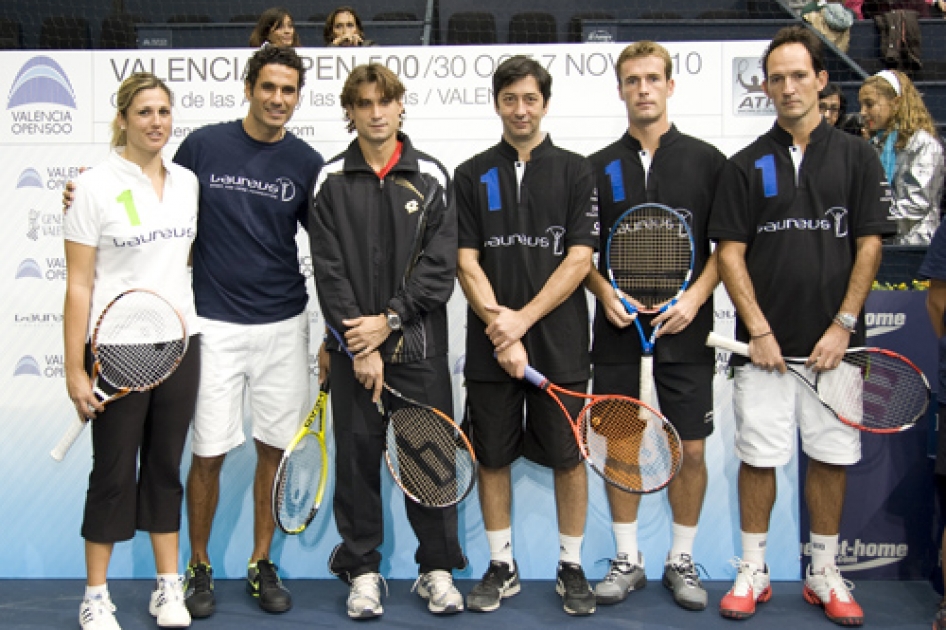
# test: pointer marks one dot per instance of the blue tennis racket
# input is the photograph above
(649, 257)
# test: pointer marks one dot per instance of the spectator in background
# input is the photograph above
(855, 7)
(901, 130)
(832, 104)
(343, 28)
(275, 26)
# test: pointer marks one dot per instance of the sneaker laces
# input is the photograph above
(438, 583)
(172, 590)
(266, 575)
(619, 566)
(573, 577)
(493, 573)
(684, 566)
(199, 577)
(100, 604)
(744, 578)
(366, 586)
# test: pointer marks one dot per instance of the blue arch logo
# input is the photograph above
(27, 366)
(41, 80)
(29, 269)
(29, 178)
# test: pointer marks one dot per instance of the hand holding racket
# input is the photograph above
(300, 481)
(624, 440)
(874, 390)
(649, 257)
(138, 342)
(429, 456)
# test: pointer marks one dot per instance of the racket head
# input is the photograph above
(650, 255)
(875, 390)
(429, 456)
(300, 481)
(631, 445)
(138, 341)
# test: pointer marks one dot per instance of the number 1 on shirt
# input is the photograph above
(649, 258)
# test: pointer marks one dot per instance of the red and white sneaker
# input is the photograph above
(828, 589)
(751, 586)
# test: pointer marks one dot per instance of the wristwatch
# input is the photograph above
(394, 321)
(846, 321)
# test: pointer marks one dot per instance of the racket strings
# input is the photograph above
(138, 341)
(649, 255)
(412, 346)
(629, 446)
(299, 482)
(428, 457)
(874, 390)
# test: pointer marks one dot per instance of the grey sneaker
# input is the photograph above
(364, 597)
(623, 578)
(577, 596)
(681, 577)
(438, 589)
(499, 581)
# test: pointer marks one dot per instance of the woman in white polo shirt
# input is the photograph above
(131, 225)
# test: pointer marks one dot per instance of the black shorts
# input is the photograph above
(940, 468)
(684, 392)
(512, 418)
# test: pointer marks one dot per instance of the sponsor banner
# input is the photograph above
(887, 528)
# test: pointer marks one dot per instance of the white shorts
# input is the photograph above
(769, 406)
(265, 364)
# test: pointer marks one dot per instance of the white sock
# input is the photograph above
(168, 578)
(500, 545)
(569, 548)
(683, 538)
(753, 549)
(91, 592)
(625, 539)
(824, 550)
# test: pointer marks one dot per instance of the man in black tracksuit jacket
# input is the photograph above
(379, 209)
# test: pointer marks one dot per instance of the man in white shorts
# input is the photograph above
(799, 215)
(251, 298)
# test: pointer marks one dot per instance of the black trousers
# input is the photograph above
(137, 444)
(359, 450)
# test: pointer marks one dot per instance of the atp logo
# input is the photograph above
(41, 100)
(748, 96)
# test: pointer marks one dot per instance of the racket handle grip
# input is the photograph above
(716, 340)
(68, 439)
(535, 377)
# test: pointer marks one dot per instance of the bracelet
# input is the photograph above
(765, 334)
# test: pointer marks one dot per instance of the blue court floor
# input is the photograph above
(54, 604)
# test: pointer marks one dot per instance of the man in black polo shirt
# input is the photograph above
(653, 162)
(799, 215)
(527, 234)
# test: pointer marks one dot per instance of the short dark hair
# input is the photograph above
(273, 54)
(329, 29)
(833, 89)
(795, 35)
(517, 68)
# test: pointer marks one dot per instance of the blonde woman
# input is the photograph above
(131, 225)
(901, 130)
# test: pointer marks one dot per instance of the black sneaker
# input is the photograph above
(577, 595)
(199, 590)
(263, 582)
(498, 582)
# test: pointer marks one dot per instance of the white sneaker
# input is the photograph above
(98, 613)
(167, 604)
(364, 597)
(751, 586)
(827, 588)
(438, 589)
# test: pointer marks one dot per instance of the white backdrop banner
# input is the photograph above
(56, 118)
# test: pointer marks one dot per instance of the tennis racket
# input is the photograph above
(874, 390)
(649, 256)
(138, 342)
(624, 440)
(429, 456)
(300, 481)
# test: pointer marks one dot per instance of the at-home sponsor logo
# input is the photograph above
(41, 101)
(47, 366)
(52, 269)
(860, 555)
(883, 323)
